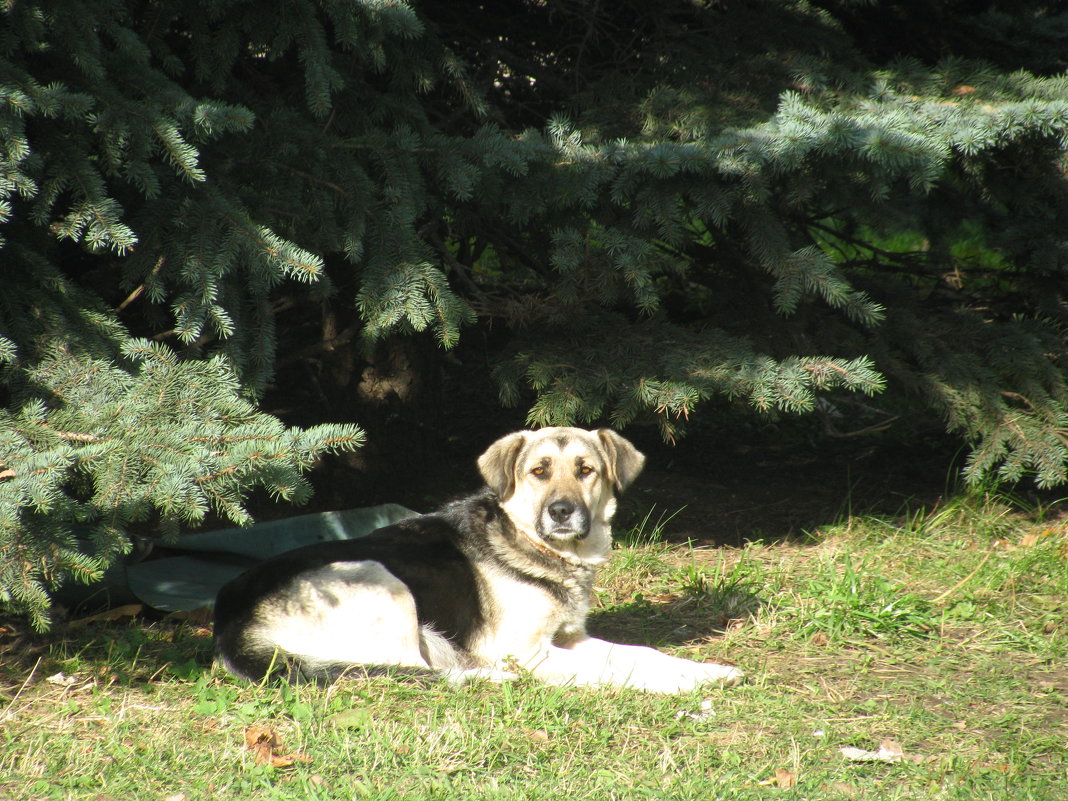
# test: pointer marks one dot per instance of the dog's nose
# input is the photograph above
(560, 511)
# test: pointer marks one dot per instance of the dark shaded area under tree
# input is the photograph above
(241, 230)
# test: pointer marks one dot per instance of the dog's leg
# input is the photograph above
(443, 656)
(457, 677)
(344, 614)
(596, 662)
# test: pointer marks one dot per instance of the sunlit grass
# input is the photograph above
(940, 631)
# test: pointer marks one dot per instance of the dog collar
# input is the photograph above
(545, 549)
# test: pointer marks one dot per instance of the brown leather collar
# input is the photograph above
(539, 545)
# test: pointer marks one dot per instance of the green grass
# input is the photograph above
(942, 631)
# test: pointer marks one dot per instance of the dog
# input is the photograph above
(493, 585)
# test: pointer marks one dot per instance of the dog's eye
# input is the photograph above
(538, 471)
(585, 470)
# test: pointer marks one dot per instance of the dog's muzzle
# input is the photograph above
(564, 519)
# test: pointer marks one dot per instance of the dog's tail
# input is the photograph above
(247, 661)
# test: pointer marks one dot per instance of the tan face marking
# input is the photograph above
(557, 485)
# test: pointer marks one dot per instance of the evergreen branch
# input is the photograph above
(831, 429)
(458, 268)
(141, 287)
(308, 269)
(315, 179)
(180, 153)
(737, 237)
(69, 436)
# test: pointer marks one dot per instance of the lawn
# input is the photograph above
(920, 657)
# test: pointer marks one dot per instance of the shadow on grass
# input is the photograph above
(141, 651)
(675, 620)
(128, 653)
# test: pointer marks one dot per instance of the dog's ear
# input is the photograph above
(498, 463)
(624, 460)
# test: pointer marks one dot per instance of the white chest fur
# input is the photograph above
(522, 620)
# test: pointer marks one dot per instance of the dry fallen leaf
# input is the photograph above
(665, 598)
(540, 735)
(861, 755)
(288, 760)
(705, 714)
(889, 751)
(259, 736)
(783, 779)
(266, 744)
(109, 615)
(1030, 540)
(202, 615)
(891, 747)
(841, 788)
(61, 679)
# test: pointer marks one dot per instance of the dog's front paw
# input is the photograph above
(722, 675)
(458, 677)
(699, 675)
(691, 676)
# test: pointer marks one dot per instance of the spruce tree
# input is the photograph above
(665, 208)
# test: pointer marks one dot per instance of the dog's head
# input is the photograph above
(558, 485)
